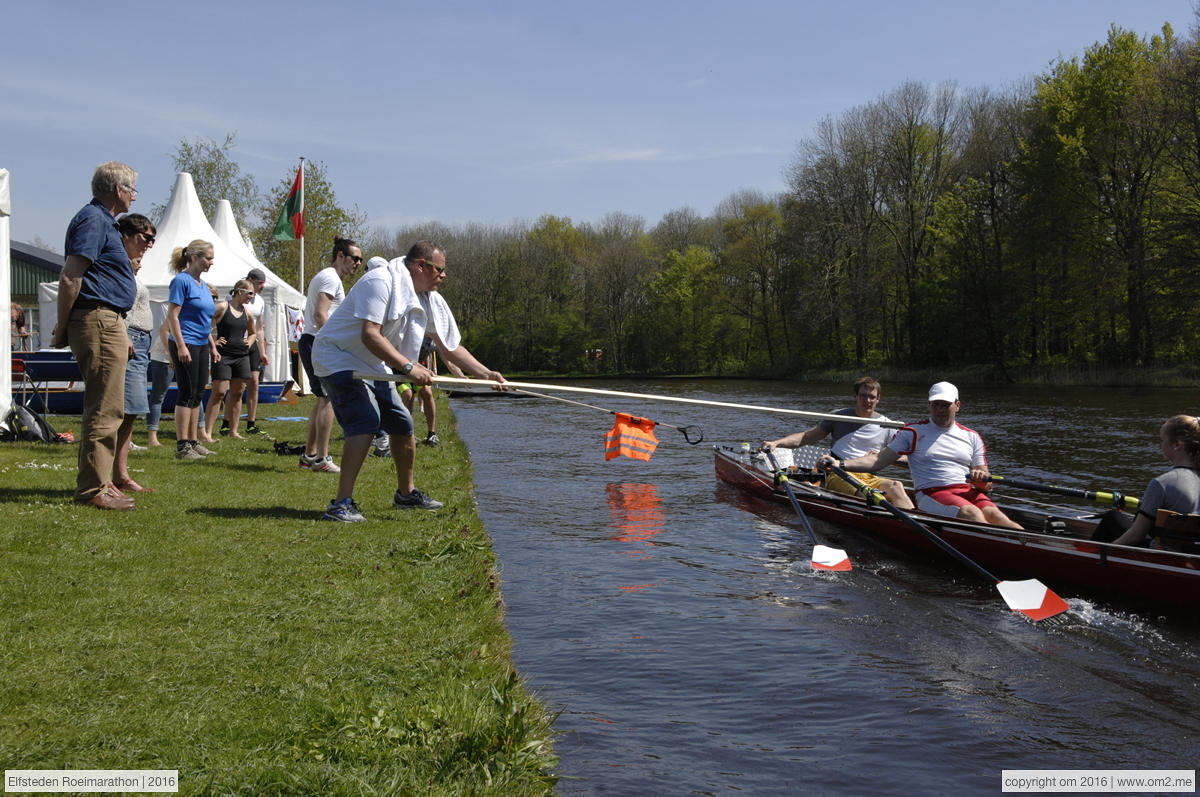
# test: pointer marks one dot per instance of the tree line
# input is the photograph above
(1052, 222)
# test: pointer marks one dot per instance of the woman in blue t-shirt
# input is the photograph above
(190, 310)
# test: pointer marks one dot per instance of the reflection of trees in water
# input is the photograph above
(635, 511)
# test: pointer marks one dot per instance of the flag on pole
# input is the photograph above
(291, 219)
(630, 437)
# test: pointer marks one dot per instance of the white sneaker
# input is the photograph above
(324, 465)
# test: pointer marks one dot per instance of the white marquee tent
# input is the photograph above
(5, 293)
(183, 221)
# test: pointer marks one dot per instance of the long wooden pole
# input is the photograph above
(820, 416)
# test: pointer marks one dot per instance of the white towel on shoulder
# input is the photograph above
(441, 320)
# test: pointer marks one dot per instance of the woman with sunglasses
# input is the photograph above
(137, 234)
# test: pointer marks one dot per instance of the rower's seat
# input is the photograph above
(1176, 532)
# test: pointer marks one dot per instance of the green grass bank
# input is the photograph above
(224, 631)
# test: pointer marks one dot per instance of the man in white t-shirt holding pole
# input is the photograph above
(325, 293)
(381, 324)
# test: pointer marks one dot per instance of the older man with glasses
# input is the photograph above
(851, 439)
(95, 292)
(380, 324)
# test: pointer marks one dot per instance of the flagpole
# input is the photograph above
(301, 285)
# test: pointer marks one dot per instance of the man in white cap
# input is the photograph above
(947, 460)
(325, 293)
(381, 324)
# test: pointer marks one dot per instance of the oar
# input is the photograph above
(453, 380)
(1119, 500)
(824, 558)
(1031, 598)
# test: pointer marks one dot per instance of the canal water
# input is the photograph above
(691, 649)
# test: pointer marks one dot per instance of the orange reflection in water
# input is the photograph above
(635, 511)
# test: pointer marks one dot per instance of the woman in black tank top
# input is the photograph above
(235, 333)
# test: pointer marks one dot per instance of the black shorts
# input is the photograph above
(255, 359)
(314, 381)
(232, 366)
(191, 377)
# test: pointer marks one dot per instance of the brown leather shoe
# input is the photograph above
(130, 486)
(110, 499)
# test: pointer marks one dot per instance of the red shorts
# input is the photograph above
(953, 495)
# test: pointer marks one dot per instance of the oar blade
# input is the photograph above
(826, 558)
(1032, 598)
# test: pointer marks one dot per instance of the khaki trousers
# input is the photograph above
(101, 347)
(838, 485)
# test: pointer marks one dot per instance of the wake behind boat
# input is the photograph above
(1067, 555)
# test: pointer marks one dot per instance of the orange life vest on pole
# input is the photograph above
(631, 437)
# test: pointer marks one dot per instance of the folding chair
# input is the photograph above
(42, 372)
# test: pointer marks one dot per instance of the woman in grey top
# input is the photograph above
(1179, 488)
(137, 233)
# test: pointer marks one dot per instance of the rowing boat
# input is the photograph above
(1065, 554)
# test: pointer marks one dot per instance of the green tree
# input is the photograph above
(684, 330)
(614, 270)
(539, 327)
(757, 276)
(216, 176)
(1104, 125)
(918, 140)
(972, 266)
(833, 223)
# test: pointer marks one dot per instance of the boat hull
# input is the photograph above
(1163, 576)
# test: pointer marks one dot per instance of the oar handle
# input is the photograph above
(782, 478)
(876, 497)
(1119, 500)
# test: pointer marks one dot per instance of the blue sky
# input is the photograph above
(489, 111)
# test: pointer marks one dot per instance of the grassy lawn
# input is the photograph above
(222, 630)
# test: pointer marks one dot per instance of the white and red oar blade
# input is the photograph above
(1032, 598)
(826, 558)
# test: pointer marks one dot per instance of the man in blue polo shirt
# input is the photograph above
(95, 292)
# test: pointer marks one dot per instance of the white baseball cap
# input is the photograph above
(375, 262)
(943, 391)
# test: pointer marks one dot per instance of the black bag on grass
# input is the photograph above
(26, 425)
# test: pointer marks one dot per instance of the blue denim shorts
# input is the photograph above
(136, 401)
(366, 407)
